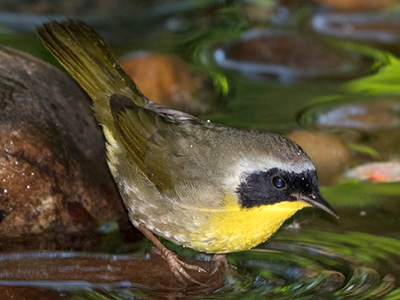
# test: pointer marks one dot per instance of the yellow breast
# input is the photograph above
(235, 228)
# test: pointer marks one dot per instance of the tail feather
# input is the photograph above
(85, 55)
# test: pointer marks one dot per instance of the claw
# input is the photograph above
(220, 262)
(178, 267)
(172, 257)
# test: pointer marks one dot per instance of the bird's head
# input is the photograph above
(284, 174)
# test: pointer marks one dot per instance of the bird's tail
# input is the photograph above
(85, 55)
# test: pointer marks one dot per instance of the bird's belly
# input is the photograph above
(236, 228)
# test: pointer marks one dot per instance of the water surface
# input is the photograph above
(313, 256)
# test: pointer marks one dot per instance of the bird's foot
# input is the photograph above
(179, 268)
(220, 262)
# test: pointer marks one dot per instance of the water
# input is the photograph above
(313, 256)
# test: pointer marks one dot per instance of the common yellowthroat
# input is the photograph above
(202, 185)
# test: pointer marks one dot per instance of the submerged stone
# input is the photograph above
(169, 81)
(358, 5)
(382, 28)
(367, 115)
(257, 12)
(370, 127)
(388, 171)
(53, 173)
(289, 56)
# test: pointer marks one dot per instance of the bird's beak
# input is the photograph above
(317, 201)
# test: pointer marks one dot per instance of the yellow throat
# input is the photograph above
(235, 228)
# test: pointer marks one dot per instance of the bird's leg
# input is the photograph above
(220, 262)
(176, 265)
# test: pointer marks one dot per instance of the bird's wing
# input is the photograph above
(167, 148)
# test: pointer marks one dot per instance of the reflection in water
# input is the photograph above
(303, 265)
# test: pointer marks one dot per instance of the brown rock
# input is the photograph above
(51, 153)
(287, 56)
(376, 29)
(285, 50)
(379, 114)
(371, 126)
(388, 171)
(148, 275)
(29, 293)
(327, 151)
(168, 81)
(358, 5)
(258, 12)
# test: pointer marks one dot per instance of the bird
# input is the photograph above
(203, 185)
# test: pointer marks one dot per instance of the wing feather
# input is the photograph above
(163, 147)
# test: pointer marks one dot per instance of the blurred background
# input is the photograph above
(326, 73)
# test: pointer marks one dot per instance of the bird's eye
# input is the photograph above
(278, 182)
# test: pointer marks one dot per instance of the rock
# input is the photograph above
(376, 172)
(329, 154)
(367, 116)
(257, 12)
(112, 271)
(358, 5)
(369, 126)
(374, 28)
(53, 174)
(29, 293)
(167, 80)
(287, 56)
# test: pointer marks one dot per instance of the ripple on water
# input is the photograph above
(309, 264)
(322, 265)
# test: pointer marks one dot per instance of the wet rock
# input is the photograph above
(380, 28)
(77, 241)
(376, 172)
(52, 158)
(358, 5)
(372, 115)
(151, 275)
(29, 293)
(370, 126)
(329, 154)
(257, 12)
(288, 56)
(167, 80)
(125, 239)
